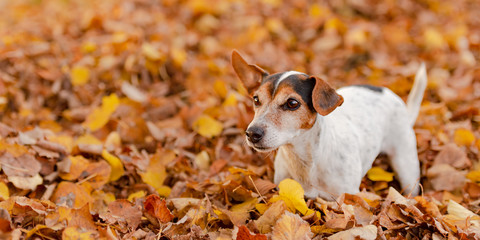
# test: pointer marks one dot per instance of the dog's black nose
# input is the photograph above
(254, 134)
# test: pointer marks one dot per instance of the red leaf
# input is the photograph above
(157, 207)
(244, 234)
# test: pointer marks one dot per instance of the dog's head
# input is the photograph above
(286, 104)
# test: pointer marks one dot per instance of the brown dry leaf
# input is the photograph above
(157, 208)
(98, 174)
(266, 222)
(74, 233)
(291, 227)
(368, 232)
(453, 155)
(22, 170)
(123, 213)
(24, 165)
(445, 177)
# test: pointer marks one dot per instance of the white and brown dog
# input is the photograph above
(327, 140)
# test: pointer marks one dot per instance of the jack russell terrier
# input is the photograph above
(327, 139)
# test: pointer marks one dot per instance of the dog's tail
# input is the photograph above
(416, 94)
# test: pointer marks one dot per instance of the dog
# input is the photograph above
(327, 139)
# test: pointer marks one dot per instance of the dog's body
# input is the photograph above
(327, 149)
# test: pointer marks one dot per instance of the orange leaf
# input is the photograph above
(157, 207)
(244, 234)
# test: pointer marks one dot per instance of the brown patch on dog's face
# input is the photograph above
(283, 109)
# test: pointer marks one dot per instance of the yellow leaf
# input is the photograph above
(89, 47)
(15, 149)
(378, 174)
(261, 208)
(463, 137)
(64, 140)
(202, 160)
(293, 195)
(220, 88)
(88, 139)
(156, 173)
(335, 24)
(115, 163)
(433, 39)
(4, 193)
(231, 100)
(318, 11)
(74, 233)
(101, 115)
(163, 191)
(474, 176)
(245, 206)
(151, 52)
(113, 141)
(207, 126)
(136, 195)
(79, 75)
(179, 56)
(78, 164)
(51, 125)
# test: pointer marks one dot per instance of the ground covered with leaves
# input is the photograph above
(124, 119)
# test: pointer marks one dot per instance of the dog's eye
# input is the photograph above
(256, 101)
(291, 104)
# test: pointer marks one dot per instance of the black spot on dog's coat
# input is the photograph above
(370, 87)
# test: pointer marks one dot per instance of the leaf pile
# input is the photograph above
(124, 119)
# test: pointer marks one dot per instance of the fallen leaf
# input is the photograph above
(136, 195)
(101, 115)
(116, 165)
(123, 213)
(453, 155)
(156, 172)
(266, 222)
(24, 165)
(445, 177)
(207, 126)
(157, 207)
(291, 227)
(78, 164)
(4, 192)
(133, 93)
(244, 234)
(463, 137)
(378, 174)
(73, 233)
(293, 194)
(79, 75)
(368, 232)
(71, 195)
(26, 182)
(151, 52)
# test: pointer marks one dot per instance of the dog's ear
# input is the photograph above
(324, 98)
(251, 75)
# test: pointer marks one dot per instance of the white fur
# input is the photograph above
(286, 75)
(335, 154)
